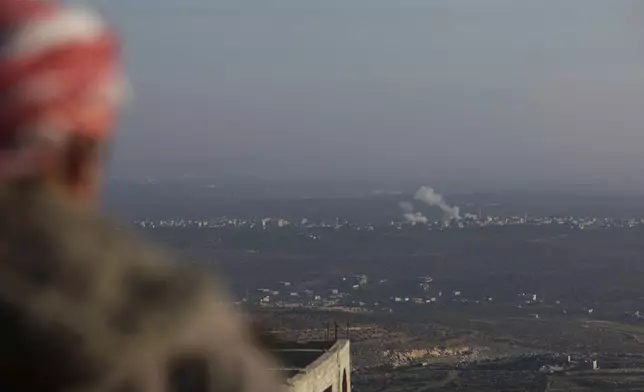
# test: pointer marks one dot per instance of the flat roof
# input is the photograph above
(294, 357)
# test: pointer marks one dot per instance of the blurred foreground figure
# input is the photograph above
(83, 306)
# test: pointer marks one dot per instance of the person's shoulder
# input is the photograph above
(129, 305)
(50, 246)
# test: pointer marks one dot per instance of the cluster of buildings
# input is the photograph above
(467, 222)
(360, 294)
(570, 363)
(525, 220)
(286, 296)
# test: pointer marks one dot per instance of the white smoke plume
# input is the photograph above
(415, 217)
(471, 216)
(410, 215)
(432, 198)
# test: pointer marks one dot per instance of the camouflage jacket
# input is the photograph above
(87, 307)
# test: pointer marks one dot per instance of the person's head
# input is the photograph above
(60, 86)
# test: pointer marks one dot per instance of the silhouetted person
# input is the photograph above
(84, 306)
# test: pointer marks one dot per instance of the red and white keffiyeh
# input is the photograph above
(60, 73)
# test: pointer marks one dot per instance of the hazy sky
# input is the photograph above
(515, 93)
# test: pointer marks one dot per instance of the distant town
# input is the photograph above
(470, 221)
